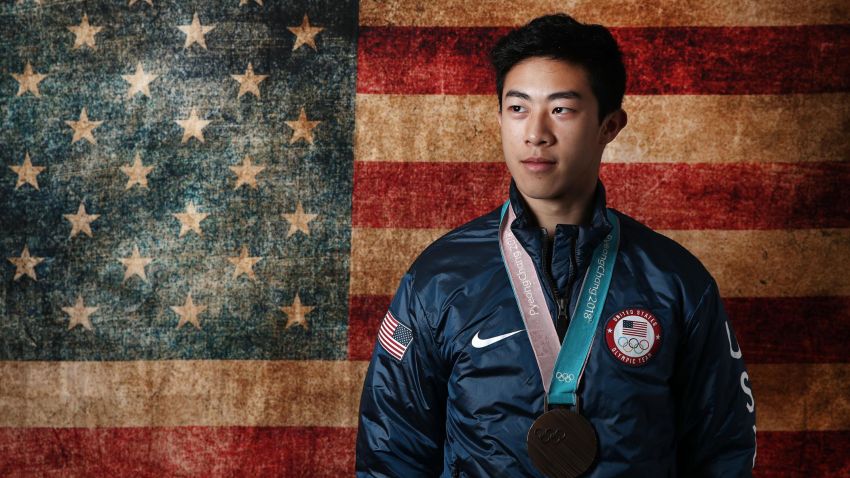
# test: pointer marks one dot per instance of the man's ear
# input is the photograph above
(612, 125)
(499, 116)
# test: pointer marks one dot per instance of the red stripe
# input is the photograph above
(383, 332)
(301, 452)
(662, 196)
(390, 351)
(386, 334)
(364, 319)
(659, 60)
(179, 451)
(387, 324)
(389, 344)
(803, 454)
(791, 329)
(769, 330)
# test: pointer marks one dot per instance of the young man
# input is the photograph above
(649, 382)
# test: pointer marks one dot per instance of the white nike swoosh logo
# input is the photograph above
(478, 342)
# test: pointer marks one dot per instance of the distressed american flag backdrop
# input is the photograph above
(205, 208)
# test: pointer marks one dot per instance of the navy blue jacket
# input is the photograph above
(449, 409)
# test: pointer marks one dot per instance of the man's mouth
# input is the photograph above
(537, 159)
(537, 164)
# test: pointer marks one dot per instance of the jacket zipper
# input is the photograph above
(562, 302)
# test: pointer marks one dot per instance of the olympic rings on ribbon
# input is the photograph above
(564, 377)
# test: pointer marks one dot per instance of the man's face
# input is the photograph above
(551, 136)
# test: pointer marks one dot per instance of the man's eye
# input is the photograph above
(561, 109)
(515, 108)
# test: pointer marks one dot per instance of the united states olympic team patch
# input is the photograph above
(633, 336)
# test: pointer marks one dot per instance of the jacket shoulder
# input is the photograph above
(663, 258)
(454, 260)
(459, 248)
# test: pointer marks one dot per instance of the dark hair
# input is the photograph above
(561, 37)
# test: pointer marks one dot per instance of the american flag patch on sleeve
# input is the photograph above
(394, 336)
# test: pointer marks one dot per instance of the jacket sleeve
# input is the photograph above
(716, 409)
(401, 425)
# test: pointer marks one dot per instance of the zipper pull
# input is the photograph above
(563, 321)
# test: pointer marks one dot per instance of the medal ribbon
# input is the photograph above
(561, 366)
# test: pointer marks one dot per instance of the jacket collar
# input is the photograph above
(587, 236)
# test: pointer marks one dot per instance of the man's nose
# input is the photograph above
(537, 130)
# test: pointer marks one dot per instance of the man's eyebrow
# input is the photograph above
(568, 94)
(517, 94)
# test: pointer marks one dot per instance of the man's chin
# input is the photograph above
(537, 188)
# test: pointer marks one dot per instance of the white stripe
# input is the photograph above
(392, 352)
(387, 326)
(391, 344)
(388, 334)
(390, 349)
(385, 336)
(388, 331)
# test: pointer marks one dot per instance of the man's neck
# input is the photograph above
(567, 209)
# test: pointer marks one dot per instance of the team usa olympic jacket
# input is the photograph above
(453, 384)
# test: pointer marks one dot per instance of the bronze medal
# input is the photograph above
(562, 444)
